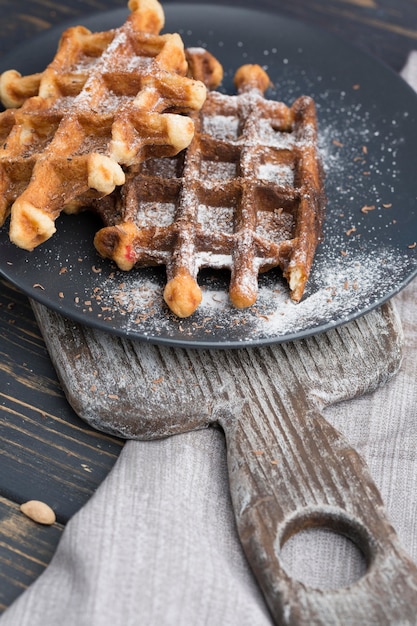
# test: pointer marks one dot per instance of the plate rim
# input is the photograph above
(53, 34)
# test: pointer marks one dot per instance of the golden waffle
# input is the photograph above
(107, 100)
(246, 195)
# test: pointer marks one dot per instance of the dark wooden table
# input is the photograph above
(46, 452)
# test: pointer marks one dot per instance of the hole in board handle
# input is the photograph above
(325, 549)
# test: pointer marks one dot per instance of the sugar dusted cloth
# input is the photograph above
(157, 546)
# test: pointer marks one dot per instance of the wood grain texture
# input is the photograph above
(386, 28)
(289, 469)
(135, 389)
(44, 444)
(46, 450)
(25, 550)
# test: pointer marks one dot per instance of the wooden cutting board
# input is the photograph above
(289, 469)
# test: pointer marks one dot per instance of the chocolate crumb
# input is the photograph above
(350, 231)
(367, 207)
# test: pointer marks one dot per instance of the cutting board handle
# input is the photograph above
(290, 470)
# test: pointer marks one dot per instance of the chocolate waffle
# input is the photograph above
(246, 195)
(107, 100)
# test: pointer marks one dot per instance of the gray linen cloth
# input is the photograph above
(157, 544)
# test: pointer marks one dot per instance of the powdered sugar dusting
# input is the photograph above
(221, 126)
(357, 265)
(369, 248)
(281, 173)
(151, 213)
(340, 287)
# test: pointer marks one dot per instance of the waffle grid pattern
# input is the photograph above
(107, 100)
(246, 195)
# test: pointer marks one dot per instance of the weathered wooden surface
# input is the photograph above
(25, 550)
(43, 443)
(49, 452)
(289, 469)
(386, 28)
(46, 451)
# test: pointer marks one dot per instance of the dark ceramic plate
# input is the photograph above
(368, 137)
